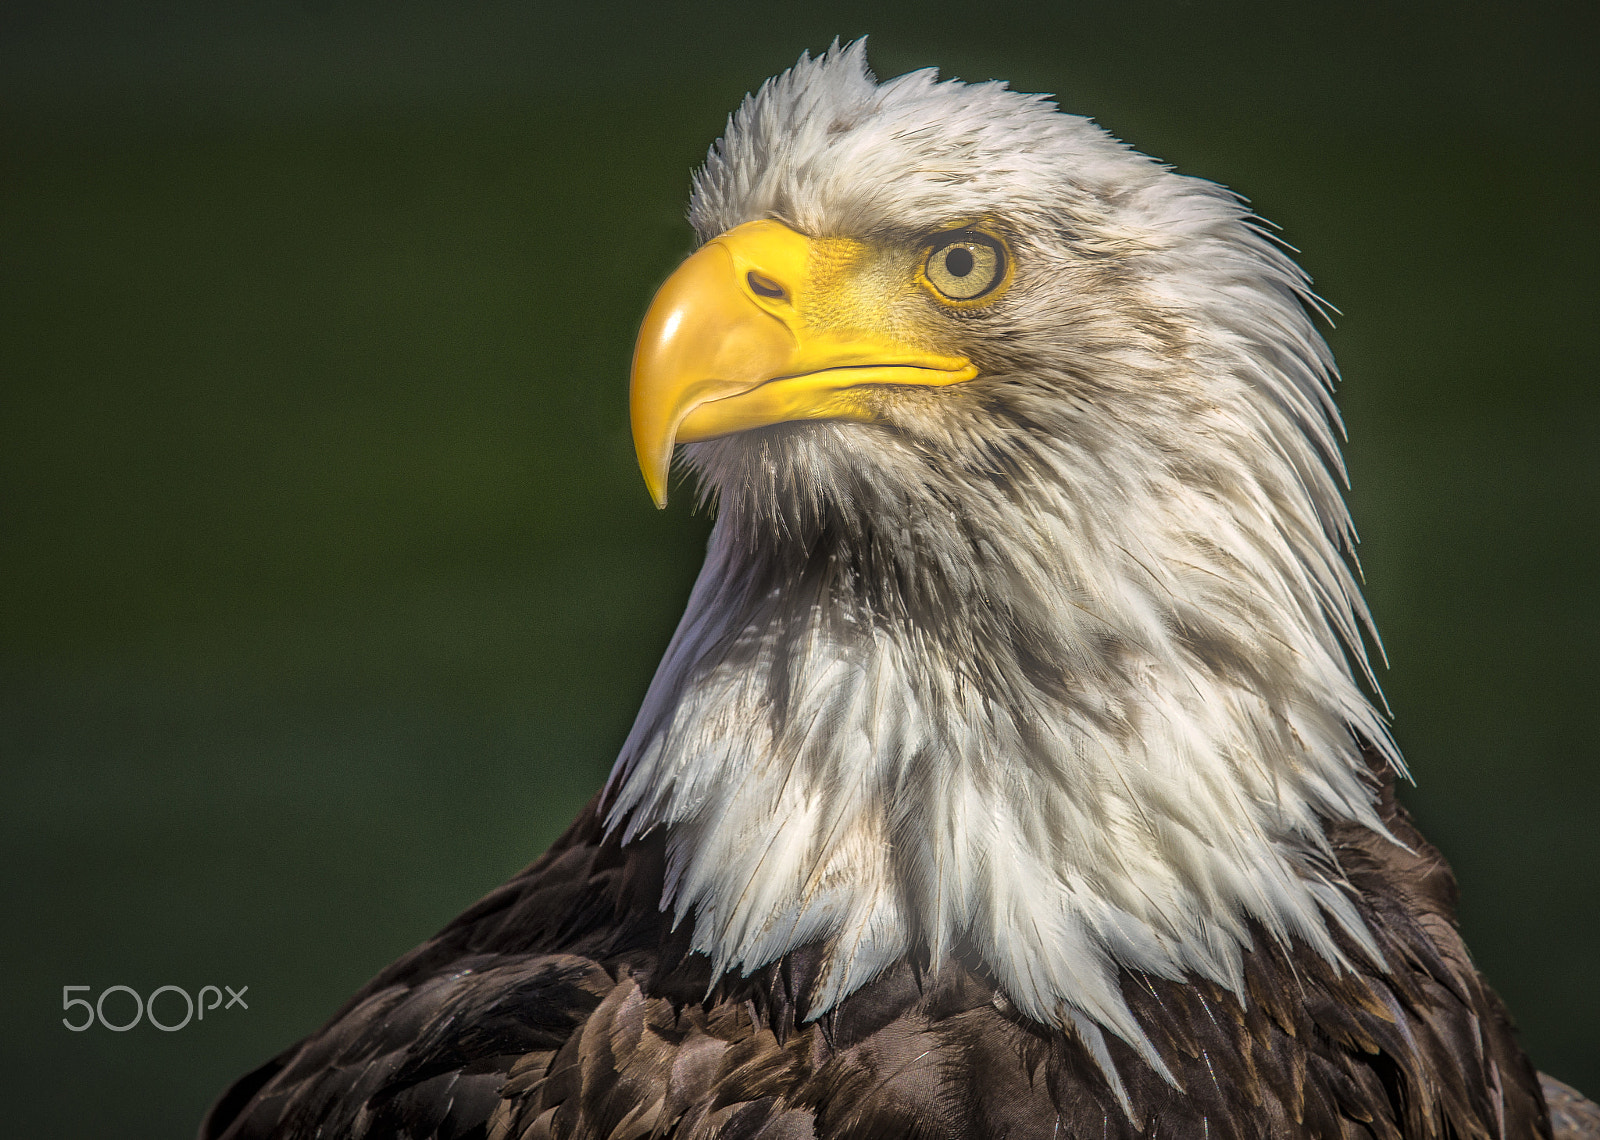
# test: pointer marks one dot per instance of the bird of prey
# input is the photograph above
(1015, 770)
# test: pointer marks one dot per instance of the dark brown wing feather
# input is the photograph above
(1572, 1115)
(562, 1005)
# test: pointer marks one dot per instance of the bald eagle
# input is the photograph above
(1015, 770)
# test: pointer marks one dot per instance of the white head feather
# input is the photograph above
(1056, 664)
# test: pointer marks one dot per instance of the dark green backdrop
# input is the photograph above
(329, 585)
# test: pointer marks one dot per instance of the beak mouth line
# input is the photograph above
(904, 375)
(814, 394)
(923, 373)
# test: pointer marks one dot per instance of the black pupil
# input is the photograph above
(958, 262)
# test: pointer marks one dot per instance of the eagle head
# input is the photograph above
(1026, 629)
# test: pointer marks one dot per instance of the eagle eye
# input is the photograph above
(965, 266)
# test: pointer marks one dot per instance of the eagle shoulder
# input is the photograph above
(564, 1005)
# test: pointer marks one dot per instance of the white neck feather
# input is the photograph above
(1067, 748)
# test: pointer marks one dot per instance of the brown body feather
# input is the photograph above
(563, 1005)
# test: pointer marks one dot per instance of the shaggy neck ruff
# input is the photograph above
(1055, 670)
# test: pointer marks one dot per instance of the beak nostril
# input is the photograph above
(765, 286)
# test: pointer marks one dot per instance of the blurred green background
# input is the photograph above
(329, 584)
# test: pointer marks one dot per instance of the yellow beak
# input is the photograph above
(727, 346)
